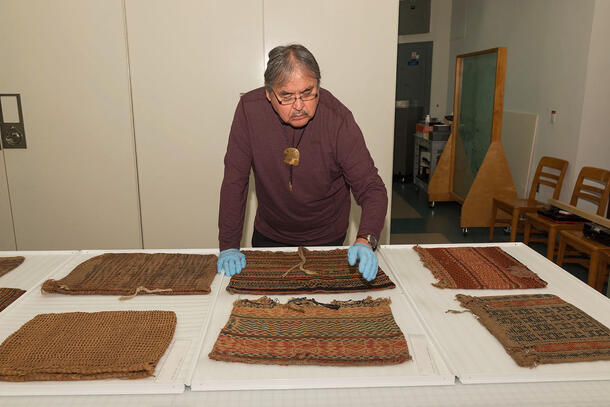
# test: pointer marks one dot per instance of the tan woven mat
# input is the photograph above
(84, 346)
(138, 273)
(477, 268)
(8, 295)
(9, 263)
(303, 271)
(540, 328)
(306, 332)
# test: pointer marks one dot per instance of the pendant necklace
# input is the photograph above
(292, 154)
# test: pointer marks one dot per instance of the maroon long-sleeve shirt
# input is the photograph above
(333, 160)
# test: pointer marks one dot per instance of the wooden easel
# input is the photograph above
(493, 177)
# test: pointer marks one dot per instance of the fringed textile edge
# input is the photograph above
(433, 265)
(303, 302)
(320, 362)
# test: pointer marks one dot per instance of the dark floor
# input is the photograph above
(444, 219)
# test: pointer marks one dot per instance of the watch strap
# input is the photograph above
(371, 239)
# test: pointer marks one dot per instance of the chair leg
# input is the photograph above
(526, 232)
(550, 250)
(513, 226)
(593, 269)
(561, 252)
(492, 221)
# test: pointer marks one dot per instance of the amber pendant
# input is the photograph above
(291, 156)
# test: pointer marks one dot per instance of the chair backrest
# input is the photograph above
(542, 177)
(598, 195)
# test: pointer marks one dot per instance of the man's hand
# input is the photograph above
(368, 260)
(232, 260)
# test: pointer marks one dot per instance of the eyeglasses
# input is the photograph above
(290, 99)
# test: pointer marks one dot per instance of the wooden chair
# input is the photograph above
(518, 207)
(595, 251)
(594, 194)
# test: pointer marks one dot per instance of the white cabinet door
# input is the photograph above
(189, 60)
(7, 234)
(75, 186)
(355, 43)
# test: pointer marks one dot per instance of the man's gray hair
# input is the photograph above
(284, 59)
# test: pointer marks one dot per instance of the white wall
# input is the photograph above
(75, 186)
(354, 42)
(7, 234)
(548, 50)
(186, 83)
(440, 28)
(594, 142)
(188, 61)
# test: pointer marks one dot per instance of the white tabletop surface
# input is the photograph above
(35, 267)
(173, 370)
(427, 367)
(573, 391)
(472, 352)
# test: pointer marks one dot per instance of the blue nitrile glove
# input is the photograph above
(232, 260)
(368, 260)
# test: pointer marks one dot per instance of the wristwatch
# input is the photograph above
(371, 239)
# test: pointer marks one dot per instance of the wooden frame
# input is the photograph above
(493, 177)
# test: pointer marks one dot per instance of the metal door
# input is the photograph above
(413, 74)
(413, 79)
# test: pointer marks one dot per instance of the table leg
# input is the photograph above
(492, 221)
(602, 272)
(603, 268)
(593, 269)
(526, 232)
(561, 251)
(550, 250)
(514, 224)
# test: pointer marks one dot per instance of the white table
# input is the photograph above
(403, 266)
(427, 367)
(476, 356)
(173, 370)
(36, 266)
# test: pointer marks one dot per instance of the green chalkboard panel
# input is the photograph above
(475, 117)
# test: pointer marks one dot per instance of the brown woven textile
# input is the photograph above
(321, 271)
(477, 268)
(134, 273)
(8, 295)
(305, 332)
(540, 328)
(9, 263)
(84, 346)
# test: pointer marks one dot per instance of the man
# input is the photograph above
(307, 152)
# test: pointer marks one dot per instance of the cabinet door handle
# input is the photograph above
(12, 132)
(14, 137)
